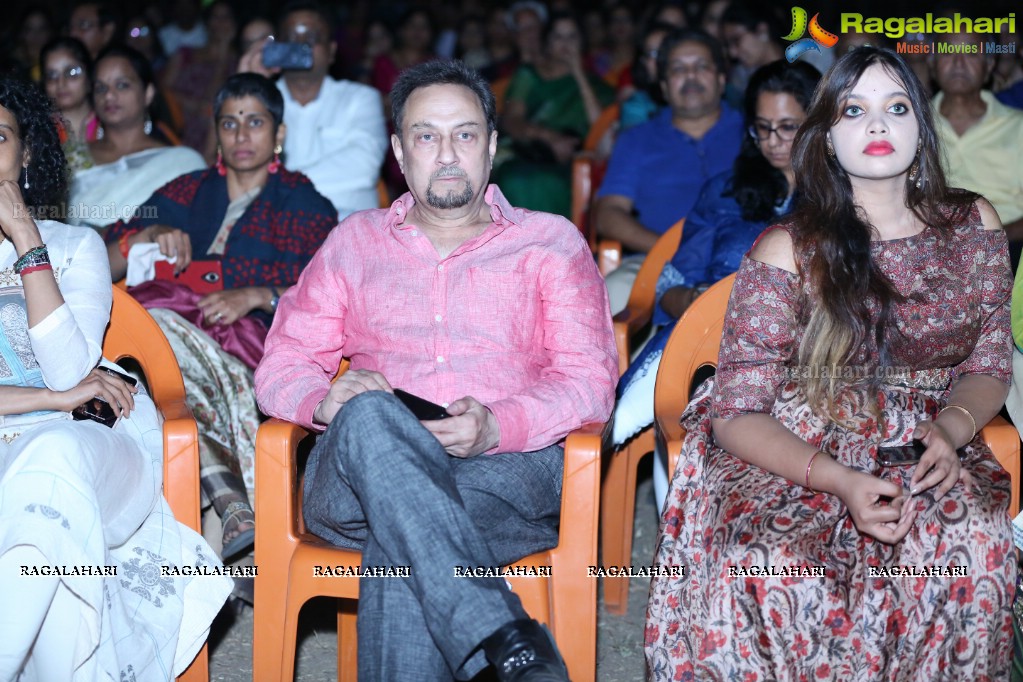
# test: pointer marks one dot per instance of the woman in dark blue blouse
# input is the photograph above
(733, 208)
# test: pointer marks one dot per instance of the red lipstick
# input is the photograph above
(878, 149)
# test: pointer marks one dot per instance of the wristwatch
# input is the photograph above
(274, 299)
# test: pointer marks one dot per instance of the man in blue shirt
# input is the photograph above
(657, 168)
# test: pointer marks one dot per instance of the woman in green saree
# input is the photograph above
(549, 107)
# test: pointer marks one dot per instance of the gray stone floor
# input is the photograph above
(619, 638)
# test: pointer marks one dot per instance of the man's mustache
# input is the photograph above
(449, 173)
(692, 86)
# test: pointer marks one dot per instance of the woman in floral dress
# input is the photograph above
(877, 315)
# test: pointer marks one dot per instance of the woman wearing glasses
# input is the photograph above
(67, 76)
(733, 208)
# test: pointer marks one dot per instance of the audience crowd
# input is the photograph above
(230, 138)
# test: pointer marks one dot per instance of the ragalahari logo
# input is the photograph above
(818, 36)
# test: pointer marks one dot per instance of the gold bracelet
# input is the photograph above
(809, 465)
(962, 409)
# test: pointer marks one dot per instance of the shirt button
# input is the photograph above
(445, 405)
(398, 210)
(441, 267)
(438, 317)
(440, 358)
(414, 233)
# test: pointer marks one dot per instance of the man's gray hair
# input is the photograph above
(439, 72)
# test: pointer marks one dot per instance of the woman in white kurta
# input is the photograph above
(84, 529)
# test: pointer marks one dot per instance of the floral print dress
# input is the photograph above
(725, 520)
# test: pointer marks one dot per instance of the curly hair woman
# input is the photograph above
(81, 511)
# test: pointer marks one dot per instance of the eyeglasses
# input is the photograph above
(70, 74)
(761, 131)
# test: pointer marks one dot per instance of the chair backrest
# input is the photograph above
(133, 333)
(587, 174)
(605, 123)
(383, 196)
(644, 289)
(693, 344)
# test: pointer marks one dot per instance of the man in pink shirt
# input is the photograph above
(496, 313)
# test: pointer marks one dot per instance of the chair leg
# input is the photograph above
(199, 670)
(347, 641)
(274, 635)
(617, 509)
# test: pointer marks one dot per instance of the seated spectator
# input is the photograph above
(503, 55)
(263, 223)
(140, 35)
(67, 76)
(671, 12)
(414, 45)
(186, 28)
(732, 210)
(78, 495)
(194, 75)
(614, 62)
(642, 99)
(95, 24)
(657, 168)
(496, 313)
(549, 107)
(980, 135)
(33, 32)
(472, 43)
(876, 315)
(710, 17)
(337, 135)
(377, 40)
(528, 20)
(131, 159)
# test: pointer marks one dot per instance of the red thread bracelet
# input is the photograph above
(122, 244)
(35, 268)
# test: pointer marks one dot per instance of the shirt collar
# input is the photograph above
(994, 107)
(501, 212)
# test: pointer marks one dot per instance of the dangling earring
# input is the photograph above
(914, 171)
(275, 165)
(831, 149)
(99, 133)
(914, 174)
(148, 127)
(221, 169)
(26, 185)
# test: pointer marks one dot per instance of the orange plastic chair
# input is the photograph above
(694, 344)
(605, 125)
(133, 333)
(587, 174)
(500, 89)
(383, 196)
(618, 489)
(286, 554)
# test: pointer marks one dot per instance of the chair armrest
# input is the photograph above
(1003, 439)
(627, 324)
(609, 255)
(276, 481)
(580, 492)
(181, 463)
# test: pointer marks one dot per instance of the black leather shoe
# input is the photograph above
(523, 650)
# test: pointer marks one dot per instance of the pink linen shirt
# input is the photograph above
(517, 318)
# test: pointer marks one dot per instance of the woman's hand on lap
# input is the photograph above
(229, 306)
(939, 465)
(173, 243)
(878, 508)
(98, 384)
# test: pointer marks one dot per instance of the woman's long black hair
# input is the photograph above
(758, 187)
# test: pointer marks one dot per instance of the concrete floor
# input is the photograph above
(619, 638)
